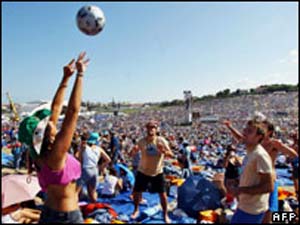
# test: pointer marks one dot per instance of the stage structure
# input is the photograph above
(188, 97)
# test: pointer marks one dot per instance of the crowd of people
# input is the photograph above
(73, 153)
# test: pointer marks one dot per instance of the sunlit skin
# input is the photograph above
(51, 132)
(151, 132)
(63, 197)
(137, 196)
(250, 137)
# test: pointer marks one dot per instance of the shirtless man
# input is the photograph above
(150, 171)
(295, 163)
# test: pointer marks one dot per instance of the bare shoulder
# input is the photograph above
(141, 142)
(276, 143)
(162, 139)
(101, 150)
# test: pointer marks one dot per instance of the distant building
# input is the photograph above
(209, 119)
(279, 92)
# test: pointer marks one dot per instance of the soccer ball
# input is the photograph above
(90, 20)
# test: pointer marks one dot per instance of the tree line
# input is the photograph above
(226, 93)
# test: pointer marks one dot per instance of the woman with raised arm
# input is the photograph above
(57, 170)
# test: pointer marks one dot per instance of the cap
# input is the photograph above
(32, 130)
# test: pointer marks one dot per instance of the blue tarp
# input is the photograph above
(198, 194)
(122, 203)
(7, 159)
(283, 173)
(158, 218)
(284, 177)
(149, 213)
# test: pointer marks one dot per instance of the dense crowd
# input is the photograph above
(114, 146)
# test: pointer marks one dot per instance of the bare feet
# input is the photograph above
(167, 219)
(142, 201)
(135, 214)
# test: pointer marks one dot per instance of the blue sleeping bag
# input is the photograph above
(129, 174)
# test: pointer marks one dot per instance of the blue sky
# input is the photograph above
(149, 51)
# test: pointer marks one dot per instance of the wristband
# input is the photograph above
(80, 74)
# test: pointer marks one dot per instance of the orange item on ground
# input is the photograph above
(89, 208)
(117, 222)
(178, 182)
(196, 168)
(170, 177)
(208, 215)
(175, 163)
(283, 194)
(90, 220)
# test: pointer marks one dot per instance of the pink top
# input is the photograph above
(71, 171)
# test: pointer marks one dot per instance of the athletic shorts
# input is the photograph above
(273, 199)
(142, 182)
(241, 217)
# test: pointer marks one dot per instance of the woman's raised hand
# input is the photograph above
(69, 69)
(81, 64)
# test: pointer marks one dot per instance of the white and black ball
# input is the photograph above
(90, 20)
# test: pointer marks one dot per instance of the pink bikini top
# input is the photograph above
(71, 171)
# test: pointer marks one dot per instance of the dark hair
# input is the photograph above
(46, 142)
(185, 144)
(231, 148)
(29, 164)
(270, 127)
(122, 171)
(14, 139)
(113, 171)
(83, 138)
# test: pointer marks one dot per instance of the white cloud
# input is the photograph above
(293, 57)
(294, 52)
